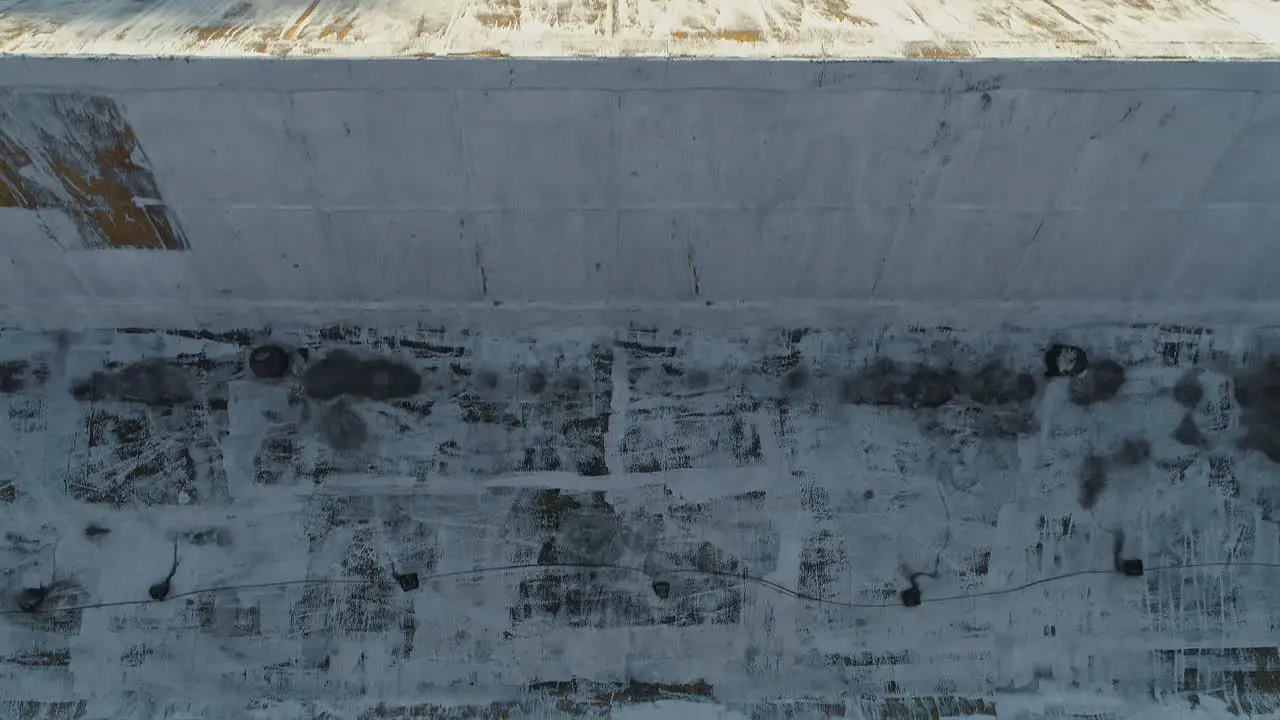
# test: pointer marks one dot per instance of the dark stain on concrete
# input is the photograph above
(1188, 392)
(276, 455)
(535, 382)
(1132, 452)
(1100, 383)
(343, 373)
(795, 380)
(16, 375)
(342, 427)
(8, 493)
(821, 557)
(39, 658)
(156, 383)
(1188, 433)
(582, 697)
(1093, 481)
(995, 384)
(202, 537)
(1257, 393)
(885, 383)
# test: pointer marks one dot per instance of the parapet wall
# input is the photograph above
(177, 183)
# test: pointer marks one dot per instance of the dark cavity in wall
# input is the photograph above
(156, 383)
(269, 362)
(1257, 392)
(343, 373)
(1064, 361)
(1100, 383)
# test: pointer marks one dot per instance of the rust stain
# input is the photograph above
(496, 14)
(486, 53)
(213, 33)
(340, 29)
(936, 51)
(293, 31)
(228, 28)
(838, 10)
(424, 55)
(742, 36)
(12, 187)
(103, 181)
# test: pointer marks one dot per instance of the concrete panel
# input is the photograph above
(1081, 184)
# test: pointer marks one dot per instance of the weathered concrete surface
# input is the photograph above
(603, 517)
(629, 182)
(665, 377)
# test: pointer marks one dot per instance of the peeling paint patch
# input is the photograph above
(76, 153)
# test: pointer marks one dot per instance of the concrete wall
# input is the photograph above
(179, 183)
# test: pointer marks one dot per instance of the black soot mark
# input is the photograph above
(1188, 433)
(1132, 452)
(885, 383)
(996, 384)
(269, 362)
(1100, 383)
(342, 427)
(1188, 392)
(1093, 480)
(1065, 361)
(342, 373)
(1257, 392)
(151, 382)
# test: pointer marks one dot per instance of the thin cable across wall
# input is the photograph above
(411, 581)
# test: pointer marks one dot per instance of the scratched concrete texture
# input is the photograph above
(602, 518)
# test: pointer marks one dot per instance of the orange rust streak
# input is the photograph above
(108, 204)
(302, 20)
(13, 192)
(742, 36)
